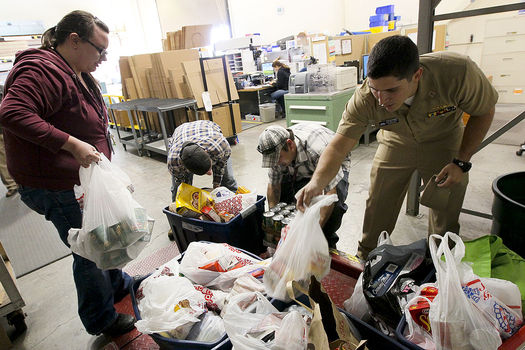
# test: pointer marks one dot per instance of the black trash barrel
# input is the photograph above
(508, 210)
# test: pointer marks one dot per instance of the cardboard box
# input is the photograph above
(196, 36)
(221, 116)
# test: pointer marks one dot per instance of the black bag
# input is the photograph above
(389, 275)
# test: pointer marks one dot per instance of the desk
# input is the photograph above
(147, 139)
(251, 98)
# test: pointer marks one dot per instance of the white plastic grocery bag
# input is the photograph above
(418, 330)
(115, 228)
(204, 263)
(303, 252)
(455, 322)
(247, 318)
(169, 304)
(357, 304)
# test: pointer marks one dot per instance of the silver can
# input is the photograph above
(284, 212)
(290, 207)
(277, 227)
(268, 226)
(275, 209)
(286, 221)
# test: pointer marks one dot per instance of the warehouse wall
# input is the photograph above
(134, 24)
(275, 19)
(175, 14)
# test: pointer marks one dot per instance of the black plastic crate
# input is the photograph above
(168, 343)
(244, 231)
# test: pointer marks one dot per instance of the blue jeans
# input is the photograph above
(227, 181)
(278, 96)
(97, 290)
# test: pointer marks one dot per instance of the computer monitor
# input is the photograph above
(364, 61)
(267, 69)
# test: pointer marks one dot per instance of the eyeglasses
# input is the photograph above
(102, 52)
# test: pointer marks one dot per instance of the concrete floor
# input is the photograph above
(49, 292)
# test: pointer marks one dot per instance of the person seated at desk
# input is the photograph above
(292, 155)
(200, 148)
(282, 71)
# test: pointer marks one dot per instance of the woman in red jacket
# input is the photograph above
(55, 121)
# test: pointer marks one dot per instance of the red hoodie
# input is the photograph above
(44, 103)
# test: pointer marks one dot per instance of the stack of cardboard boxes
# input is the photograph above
(178, 74)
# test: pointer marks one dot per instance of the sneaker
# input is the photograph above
(11, 193)
(123, 324)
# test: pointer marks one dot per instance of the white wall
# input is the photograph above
(276, 19)
(134, 25)
(174, 14)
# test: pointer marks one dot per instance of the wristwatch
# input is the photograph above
(462, 164)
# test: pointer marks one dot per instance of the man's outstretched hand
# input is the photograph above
(305, 195)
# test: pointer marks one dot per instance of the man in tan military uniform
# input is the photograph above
(418, 106)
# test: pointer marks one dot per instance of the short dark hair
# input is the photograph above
(81, 22)
(195, 159)
(393, 56)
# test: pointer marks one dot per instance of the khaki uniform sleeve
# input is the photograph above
(477, 95)
(357, 114)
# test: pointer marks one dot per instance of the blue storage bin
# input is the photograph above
(378, 24)
(244, 231)
(168, 343)
(385, 9)
(378, 18)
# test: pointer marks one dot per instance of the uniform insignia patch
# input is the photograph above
(440, 110)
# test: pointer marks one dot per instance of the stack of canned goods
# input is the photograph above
(275, 219)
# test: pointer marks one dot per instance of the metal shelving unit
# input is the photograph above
(142, 137)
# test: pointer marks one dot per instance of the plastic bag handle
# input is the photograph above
(290, 288)
(452, 257)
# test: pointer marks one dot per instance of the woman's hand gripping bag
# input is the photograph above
(303, 252)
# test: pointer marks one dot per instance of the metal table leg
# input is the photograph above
(163, 128)
(134, 133)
